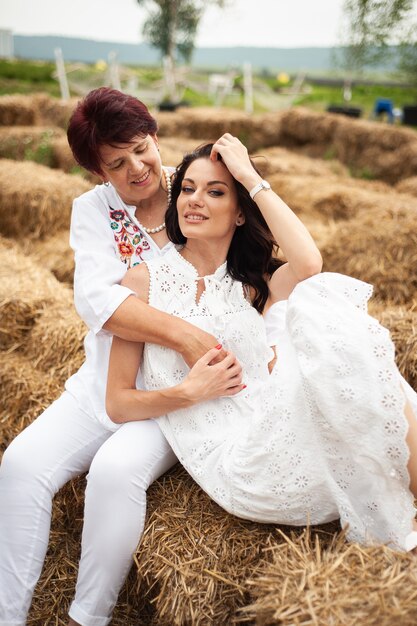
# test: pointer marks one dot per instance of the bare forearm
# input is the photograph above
(135, 320)
(288, 230)
(127, 405)
(292, 236)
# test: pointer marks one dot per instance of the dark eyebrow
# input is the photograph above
(211, 182)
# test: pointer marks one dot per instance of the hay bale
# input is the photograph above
(278, 160)
(62, 157)
(378, 246)
(401, 321)
(202, 122)
(173, 149)
(28, 142)
(407, 185)
(302, 581)
(367, 148)
(53, 111)
(26, 290)
(35, 201)
(55, 342)
(17, 110)
(385, 152)
(194, 558)
(302, 126)
(54, 254)
(335, 197)
(206, 124)
(38, 315)
(321, 230)
(26, 392)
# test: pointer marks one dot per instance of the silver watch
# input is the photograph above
(262, 185)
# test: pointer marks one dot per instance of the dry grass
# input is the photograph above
(201, 124)
(408, 185)
(301, 126)
(382, 151)
(53, 254)
(18, 142)
(26, 291)
(402, 324)
(197, 565)
(53, 111)
(25, 393)
(336, 197)
(277, 160)
(17, 110)
(35, 201)
(40, 338)
(378, 246)
(194, 559)
(306, 581)
(173, 149)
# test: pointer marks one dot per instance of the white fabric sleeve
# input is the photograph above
(98, 271)
(275, 320)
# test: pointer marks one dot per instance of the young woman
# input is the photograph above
(331, 431)
(114, 226)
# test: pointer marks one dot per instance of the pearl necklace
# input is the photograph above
(157, 229)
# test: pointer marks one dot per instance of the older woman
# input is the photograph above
(114, 226)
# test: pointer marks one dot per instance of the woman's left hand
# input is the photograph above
(236, 158)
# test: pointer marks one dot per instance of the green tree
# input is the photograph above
(373, 27)
(172, 25)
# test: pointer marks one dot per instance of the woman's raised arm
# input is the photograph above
(298, 247)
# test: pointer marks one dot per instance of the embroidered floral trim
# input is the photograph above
(129, 240)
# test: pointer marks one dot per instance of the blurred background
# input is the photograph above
(257, 56)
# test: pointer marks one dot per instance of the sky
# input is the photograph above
(276, 23)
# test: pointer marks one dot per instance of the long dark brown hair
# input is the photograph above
(251, 257)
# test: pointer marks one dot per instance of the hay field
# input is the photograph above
(197, 565)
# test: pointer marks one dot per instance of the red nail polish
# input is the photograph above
(219, 346)
(244, 386)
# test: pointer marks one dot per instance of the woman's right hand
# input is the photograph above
(207, 380)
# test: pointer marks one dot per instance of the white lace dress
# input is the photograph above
(323, 436)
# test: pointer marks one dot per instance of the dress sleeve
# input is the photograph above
(98, 271)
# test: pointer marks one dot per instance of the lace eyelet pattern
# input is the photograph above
(323, 436)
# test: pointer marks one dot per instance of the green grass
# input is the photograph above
(26, 77)
(363, 96)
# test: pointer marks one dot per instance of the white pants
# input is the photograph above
(61, 444)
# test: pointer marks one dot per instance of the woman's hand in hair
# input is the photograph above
(236, 158)
(208, 380)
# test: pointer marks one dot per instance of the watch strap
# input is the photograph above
(261, 185)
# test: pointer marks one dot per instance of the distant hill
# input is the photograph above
(89, 51)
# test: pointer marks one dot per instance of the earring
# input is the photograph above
(239, 222)
(106, 183)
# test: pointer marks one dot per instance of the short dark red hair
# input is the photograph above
(106, 116)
